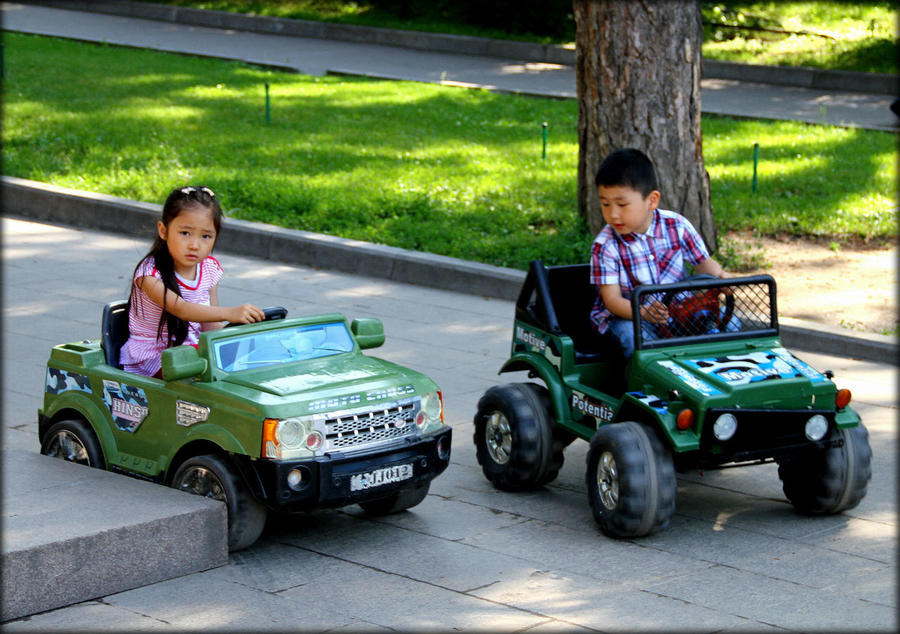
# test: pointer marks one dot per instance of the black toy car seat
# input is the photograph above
(114, 330)
(573, 296)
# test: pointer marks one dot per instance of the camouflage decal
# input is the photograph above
(553, 358)
(59, 381)
(536, 342)
(651, 401)
(740, 369)
(689, 379)
(797, 364)
(127, 405)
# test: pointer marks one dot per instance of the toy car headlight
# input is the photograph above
(431, 411)
(290, 433)
(725, 427)
(290, 438)
(816, 427)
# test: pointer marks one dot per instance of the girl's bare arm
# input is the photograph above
(189, 311)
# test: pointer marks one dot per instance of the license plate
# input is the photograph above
(380, 477)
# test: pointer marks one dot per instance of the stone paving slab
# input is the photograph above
(72, 533)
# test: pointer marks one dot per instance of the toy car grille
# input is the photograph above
(762, 432)
(369, 427)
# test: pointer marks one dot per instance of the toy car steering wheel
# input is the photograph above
(694, 312)
(270, 314)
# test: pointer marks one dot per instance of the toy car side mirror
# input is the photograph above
(368, 331)
(181, 362)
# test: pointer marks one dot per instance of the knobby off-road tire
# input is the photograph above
(73, 441)
(513, 437)
(630, 480)
(211, 476)
(562, 437)
(397, 502)
(829, 480)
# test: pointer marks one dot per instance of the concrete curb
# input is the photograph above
(460, 44)
(40, 201)
(50, 203)
(72, 533)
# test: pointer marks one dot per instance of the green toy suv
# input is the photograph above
(285, 414)
(713, 387)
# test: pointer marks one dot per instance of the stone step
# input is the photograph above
(72, 533)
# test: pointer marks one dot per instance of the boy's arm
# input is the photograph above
(611, 294)
(710, 267)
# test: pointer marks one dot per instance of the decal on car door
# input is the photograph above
(127, 405)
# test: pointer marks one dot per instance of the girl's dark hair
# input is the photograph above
(628, 167)
(180, 199)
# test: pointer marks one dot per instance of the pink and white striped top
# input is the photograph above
(142, 352)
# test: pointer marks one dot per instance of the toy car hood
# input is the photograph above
(717, 374)
(348, 375)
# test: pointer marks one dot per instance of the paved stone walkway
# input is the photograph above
(319, 56)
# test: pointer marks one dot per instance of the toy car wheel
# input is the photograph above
(514, 438)
(397, 502)
(630, 480)
(212, 477)
(830, 480)
(562, 437)
(73, 441)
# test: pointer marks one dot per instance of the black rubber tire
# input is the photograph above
(74, 441)
(831, 480)
(639, 476)
(397, 502)
(562, 437)
(524, 458)
(213, 477)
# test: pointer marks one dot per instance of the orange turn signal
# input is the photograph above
(842, 399)
(685, 419)
(269, 443)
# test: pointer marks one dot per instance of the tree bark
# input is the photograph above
(638, 75)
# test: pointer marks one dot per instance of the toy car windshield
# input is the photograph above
(705, 308)
(283, 345)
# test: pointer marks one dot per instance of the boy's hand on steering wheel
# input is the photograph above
(655, 313)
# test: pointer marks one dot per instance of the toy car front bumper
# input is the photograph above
(763, 434)
(340, 480)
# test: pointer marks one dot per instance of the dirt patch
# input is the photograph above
(850, 287)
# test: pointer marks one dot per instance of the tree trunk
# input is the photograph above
(638, 74)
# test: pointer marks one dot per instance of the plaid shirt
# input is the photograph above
(654, 257)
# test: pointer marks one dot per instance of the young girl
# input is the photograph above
(174, 294)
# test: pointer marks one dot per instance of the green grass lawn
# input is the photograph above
(426, 167)
(834, 34)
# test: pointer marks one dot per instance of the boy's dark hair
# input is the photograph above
(628, 167)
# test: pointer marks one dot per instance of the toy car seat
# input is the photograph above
(573, 294)
(114, 330)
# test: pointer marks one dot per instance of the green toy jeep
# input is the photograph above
(712, 388)
(285, 414)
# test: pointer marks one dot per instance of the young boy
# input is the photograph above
(640, 244)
